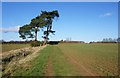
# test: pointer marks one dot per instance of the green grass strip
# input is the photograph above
(38, 65)
(61, 65)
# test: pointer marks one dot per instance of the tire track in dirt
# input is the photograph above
(84, 71)
(49, 68)
(48, 71)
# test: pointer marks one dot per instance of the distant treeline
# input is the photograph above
(56, 42)
(102, 42)
(108, 40)
(50, 42)
(53, 42)
(15, 42)
(72, 42)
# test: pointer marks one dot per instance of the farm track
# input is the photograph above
(72, 60)
(57, 64)
(66, 60)
(84, 71)
(49, 68)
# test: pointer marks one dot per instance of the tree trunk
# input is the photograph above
(48, 28)
(36, 34)
(46, 40)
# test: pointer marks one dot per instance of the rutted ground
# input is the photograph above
(71, 60)
(92, 59)
(86, 59)
(61, 67)
(77, 64)
(49, 68)
(50, 62)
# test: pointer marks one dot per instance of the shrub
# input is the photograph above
(35, 43)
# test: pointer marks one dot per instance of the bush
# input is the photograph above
(35, 43)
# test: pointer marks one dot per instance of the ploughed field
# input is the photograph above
(72, 59)
(8, 47)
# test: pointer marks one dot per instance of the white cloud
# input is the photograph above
(106, 14)
(9, 29)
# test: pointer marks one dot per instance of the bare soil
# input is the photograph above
(79, 67)
(49, 68)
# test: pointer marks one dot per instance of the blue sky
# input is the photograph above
(82, 21)
(60, 0)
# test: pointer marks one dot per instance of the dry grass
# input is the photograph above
(8, 47)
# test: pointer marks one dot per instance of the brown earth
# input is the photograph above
(49, 68)
(79, 67)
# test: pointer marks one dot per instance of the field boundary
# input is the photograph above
(18, 58)
(33, 55)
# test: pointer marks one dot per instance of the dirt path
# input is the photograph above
(49, 68)
(84, 71)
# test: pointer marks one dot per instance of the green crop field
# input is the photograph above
(73, 60)
(8, 47)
